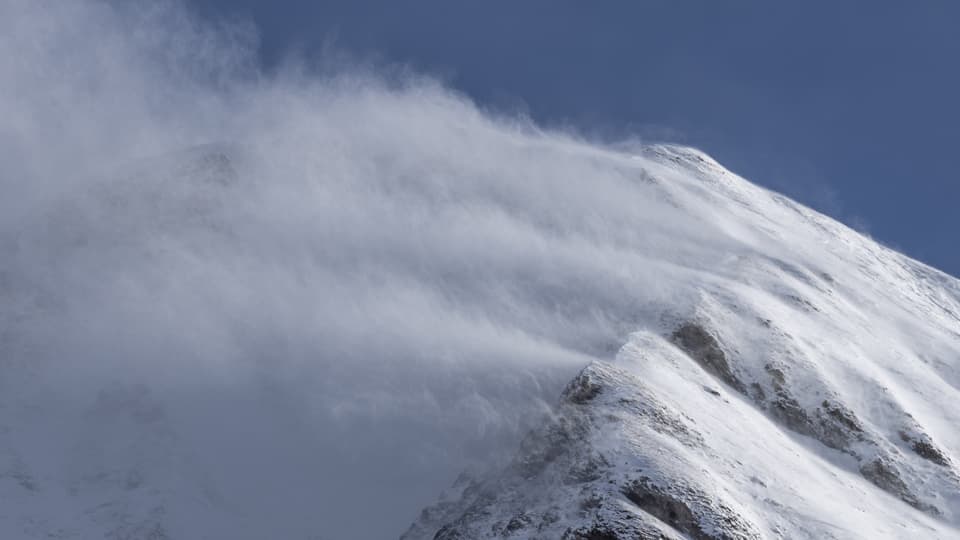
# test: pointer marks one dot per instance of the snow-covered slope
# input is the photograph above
(245, 305)
(753, 368)
(808, 391)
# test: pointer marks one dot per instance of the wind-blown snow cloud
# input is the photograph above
(348, 287)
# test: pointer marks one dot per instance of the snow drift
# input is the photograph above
(239, 305)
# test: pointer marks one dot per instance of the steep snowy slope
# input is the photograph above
(245, 305)
(807, 392)
(778, 374)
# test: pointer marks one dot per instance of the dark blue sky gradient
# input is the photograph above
(850, 107)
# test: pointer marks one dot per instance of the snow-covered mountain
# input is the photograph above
(808, 392)
(238, 305)
(779, 375)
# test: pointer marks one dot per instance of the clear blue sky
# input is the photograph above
(850, 107)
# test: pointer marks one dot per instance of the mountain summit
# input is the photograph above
(297, 302)
(275, 338)
(805, 393)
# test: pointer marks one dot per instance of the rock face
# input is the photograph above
(704, 348)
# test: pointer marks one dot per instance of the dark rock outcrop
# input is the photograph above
(703, 347)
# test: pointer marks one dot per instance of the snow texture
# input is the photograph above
(239, 305)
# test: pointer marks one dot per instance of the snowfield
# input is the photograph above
(243, 306)
(780, 375)
(805, 393)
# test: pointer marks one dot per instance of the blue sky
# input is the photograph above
(848, 107)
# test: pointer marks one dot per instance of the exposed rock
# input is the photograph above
(843, 416)
(784, 407)
(885, 476)
(581, 389)
(925, 449)
(676, 512)
(837, 426)
(788, 410)
(621, 531)
(705, 349)
(710, 391)
(929, 452)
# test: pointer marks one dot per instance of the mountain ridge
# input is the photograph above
(837, 352)
(793, 394)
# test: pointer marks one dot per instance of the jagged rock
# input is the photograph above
(837, 427)
(563, 484)
(925, 449)
(677, 512)
(885, 476)
(703, 347)
(581, 389)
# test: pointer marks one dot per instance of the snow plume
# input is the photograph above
(337, 291)
(236, 304)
